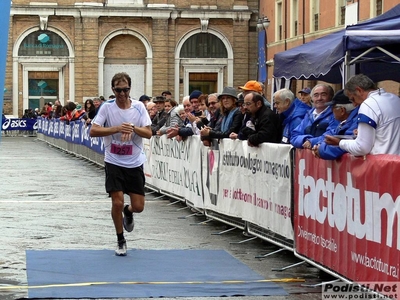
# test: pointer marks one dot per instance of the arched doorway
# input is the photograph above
(204, 61)
(134, 58)
(45, 55)
(203, 46)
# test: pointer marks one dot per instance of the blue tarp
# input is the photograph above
(143, 273)
(321, 59)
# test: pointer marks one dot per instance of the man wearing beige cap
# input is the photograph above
(254, 86)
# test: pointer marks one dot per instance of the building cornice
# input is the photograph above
(308, 36)
(142, 12)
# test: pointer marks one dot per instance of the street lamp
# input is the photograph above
(262, 26)
(263, 23)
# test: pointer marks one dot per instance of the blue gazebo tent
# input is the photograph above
(373, 47)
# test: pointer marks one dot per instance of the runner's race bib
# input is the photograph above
(121, 149)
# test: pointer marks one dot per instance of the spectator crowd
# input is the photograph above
(359, 119)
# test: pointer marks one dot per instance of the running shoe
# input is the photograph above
(128, 219)
(121, 248)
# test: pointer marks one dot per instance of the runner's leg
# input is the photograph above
(116, 210)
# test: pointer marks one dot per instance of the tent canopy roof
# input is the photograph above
(322, 58)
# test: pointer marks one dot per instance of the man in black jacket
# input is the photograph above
(263, 126)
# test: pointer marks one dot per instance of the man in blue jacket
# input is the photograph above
(291, 111)
(346, 113)
(318, 122)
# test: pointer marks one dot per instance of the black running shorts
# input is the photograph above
(128, 180)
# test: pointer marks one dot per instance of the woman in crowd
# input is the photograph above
(205, 117)
(231, 116)
(74, 112)
(90, 111)
(57, 108)
(199, 121)
(181, 112)
(172, 118)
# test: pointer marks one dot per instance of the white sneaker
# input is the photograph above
(121, 248)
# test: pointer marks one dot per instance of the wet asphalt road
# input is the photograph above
(53, 200)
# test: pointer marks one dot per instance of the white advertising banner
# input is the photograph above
(255, 184)
(147, 165)
(175, 167)
(210, 178)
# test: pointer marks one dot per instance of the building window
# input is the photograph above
(43, 43)
(378, 7)
(203, 45)
(316, 22)
(279, 18)
(43, 87)
(341, 12)
(342, 18)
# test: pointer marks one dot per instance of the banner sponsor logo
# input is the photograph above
(340, 205)
(76, 132)
(19, 124)
(62, 129)
(186, 178)
(14, 124)
(68, 131)
(45, 125)
(254, 184)
(50, 129)
(254, 164)
(6, 124)
(56, 128)
(96, 142)
(85, 134)
(175, 167)
(347, 215)
(171, 148)
(327, 243)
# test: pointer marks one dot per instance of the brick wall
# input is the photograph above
(86, 34)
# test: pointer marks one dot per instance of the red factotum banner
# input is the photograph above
(347, 214)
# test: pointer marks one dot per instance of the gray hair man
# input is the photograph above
(291, 110)
(378, 119)
(318, 121)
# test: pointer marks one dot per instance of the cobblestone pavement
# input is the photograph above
(53, 200)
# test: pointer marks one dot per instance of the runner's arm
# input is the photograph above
(144, 131)
(99, 131)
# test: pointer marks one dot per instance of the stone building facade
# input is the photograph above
(70, 50)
